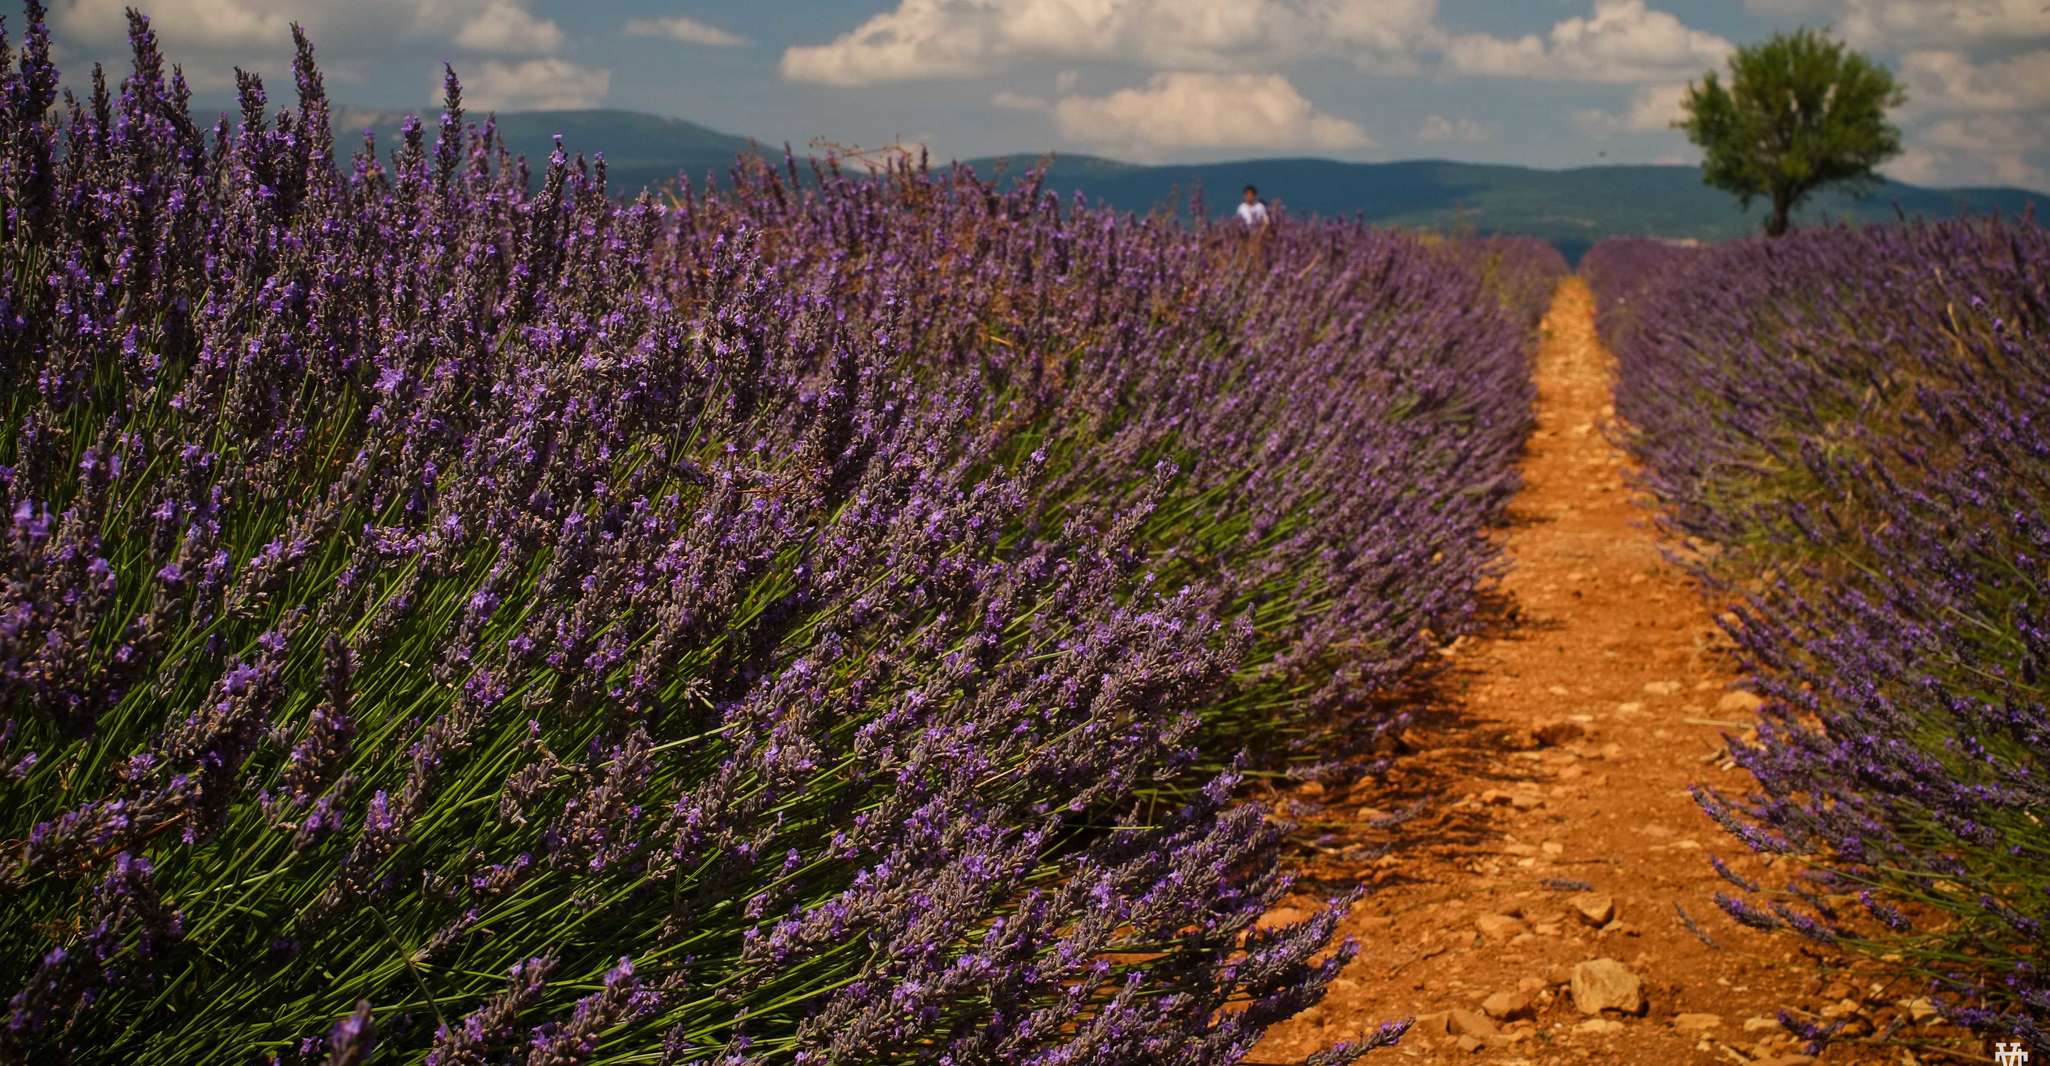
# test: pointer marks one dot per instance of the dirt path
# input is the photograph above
(1555, 825)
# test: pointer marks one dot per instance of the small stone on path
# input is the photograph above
(1595, 908)
(1697, 1021)
(1436, 1023)
(1605, 984)
(1498, 926)
(1472, 1023)
(1507, 1006)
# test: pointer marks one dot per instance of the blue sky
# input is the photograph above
(1538, 82)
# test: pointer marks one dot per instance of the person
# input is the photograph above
(1252, 212)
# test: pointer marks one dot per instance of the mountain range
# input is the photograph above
(1571, 208)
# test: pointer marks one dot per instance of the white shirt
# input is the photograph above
(1253, 214)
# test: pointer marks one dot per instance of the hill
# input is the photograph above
(1571, 208)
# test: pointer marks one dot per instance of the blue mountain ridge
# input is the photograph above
(1571, 208)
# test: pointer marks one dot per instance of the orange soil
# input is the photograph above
(1560, 750)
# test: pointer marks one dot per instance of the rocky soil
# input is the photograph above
(1538, 881)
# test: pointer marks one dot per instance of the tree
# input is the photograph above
(1801, 111)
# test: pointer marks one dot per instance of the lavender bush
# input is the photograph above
(1855, 424)
(1523, 272)
(800, 621)
(1622, 271)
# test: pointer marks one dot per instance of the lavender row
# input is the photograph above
(1854, 427)
(1623, 271)
(1523, 272)
(456, 617)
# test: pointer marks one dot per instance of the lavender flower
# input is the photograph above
(848, 598)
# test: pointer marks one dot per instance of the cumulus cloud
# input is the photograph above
(1952, 81)
(924, 39)
(1906, 24)
(500, 26)
(1652, 109)
(1975, 119)
(686, 30)
(532, 85)
(489, 26)
(1621, 41)
(1895, 25)
(1976, 123)
(194, 23)
(1977, 132)
(1437, 129)
(506, 55)
(1010, 101)
(1202, 110)
(1977, 162)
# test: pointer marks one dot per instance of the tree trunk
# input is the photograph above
(1782, 205)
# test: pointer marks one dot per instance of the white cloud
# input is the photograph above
(1904, 25)
(1622, 41)
(1437, 129)
(1189, 109)
(532, 85)
(503, 52)
(922, 39)
(1010, 101)
(1978, 132)
(684, 29)
(503, 26)
(264, 26)
(918, 40)
(1899, 25)
(1952, 81)
(200, 23)
(1975, 121)
(1917, 166)
(1652, 109)
(1938, 167)
(1976, 150)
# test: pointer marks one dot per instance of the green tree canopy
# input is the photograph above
(1800, 111)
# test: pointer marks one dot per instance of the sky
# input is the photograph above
(1549, 83)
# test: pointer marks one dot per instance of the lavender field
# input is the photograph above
(456, 609)
(815, 618)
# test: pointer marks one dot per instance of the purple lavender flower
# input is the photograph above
(846, 597)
